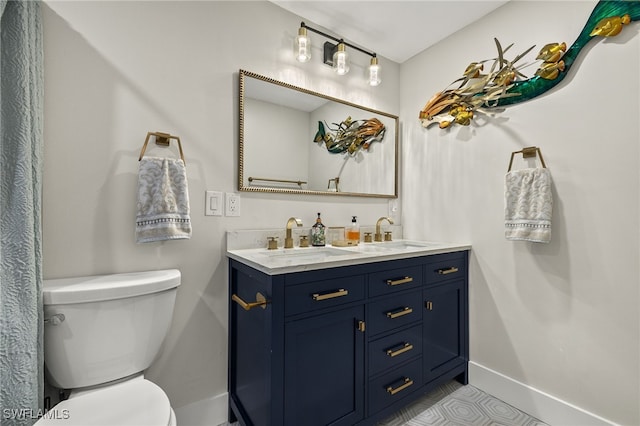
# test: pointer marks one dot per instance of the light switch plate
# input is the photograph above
(213, 203)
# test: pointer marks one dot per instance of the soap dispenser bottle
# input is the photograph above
(317, 233)
(353, 230)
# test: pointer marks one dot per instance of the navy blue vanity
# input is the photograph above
(345, 345)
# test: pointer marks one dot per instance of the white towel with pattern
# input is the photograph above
(528, 205)
(163, 200)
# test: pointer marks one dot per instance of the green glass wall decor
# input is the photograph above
(504, 84)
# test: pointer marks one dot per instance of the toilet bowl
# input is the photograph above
(101, 333)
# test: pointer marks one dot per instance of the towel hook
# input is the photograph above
(161, 139)
(528, 152)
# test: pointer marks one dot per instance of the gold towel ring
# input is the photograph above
(162, 139)
(528, 153)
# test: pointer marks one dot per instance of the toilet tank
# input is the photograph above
(103, 328)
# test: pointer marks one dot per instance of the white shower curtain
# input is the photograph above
(21, 110)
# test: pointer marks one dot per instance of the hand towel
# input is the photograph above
(163, 200)
(528, 205)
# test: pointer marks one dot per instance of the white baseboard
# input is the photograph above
(210, 411)
(545, 407)
(534, 402)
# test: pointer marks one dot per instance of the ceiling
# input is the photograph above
(396, 30)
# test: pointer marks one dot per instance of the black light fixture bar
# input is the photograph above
(337, 40)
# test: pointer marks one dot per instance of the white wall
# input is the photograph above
(264, 132)
(563, 317)
(116, 70)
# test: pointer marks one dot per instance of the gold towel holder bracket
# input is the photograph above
(162, 139)
(528, 152)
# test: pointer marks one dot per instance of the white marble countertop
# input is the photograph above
(283, 261)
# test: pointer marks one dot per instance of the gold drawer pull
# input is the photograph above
(400, 281)
(404, 311)
(260, 301)
(405, 348)
(407, 382)
(451, 270)
(325, 296)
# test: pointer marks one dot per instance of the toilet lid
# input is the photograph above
(132, 403)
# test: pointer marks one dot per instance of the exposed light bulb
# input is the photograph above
(341, 60)
(374, 72)
(302, 48)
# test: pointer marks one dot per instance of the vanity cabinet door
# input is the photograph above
(444, 327)
(250, 343)
(324, 369)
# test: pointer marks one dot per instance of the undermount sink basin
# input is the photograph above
(304, 253)
(396, 246)
(406, 244)
(374, 248)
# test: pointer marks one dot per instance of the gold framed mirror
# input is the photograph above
(293, 140)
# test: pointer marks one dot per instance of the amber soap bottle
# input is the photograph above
(353, 230)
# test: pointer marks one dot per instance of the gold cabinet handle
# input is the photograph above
(405, 348)
(325, 296)
(407, 382)
(451, 270)
(260, 301)
(404, 311)
(429, 305)
(362, 327)
(400, 281)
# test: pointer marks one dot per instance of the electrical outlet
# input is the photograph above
(232, 204)
(213, 203)
(393, 207)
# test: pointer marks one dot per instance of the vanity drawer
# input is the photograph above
(316, 295)
(394, 385)
(394, 311)
(388, 352)
(446, 267)
(394, 280)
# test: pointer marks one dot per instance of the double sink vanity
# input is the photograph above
(343, 335)
(333, 335)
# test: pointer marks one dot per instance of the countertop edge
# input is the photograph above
(362, 258)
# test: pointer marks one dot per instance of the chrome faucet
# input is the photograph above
(288, 241)
(378, 236)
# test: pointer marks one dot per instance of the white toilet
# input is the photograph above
(100, 334)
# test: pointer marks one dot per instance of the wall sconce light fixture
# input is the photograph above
(302, 48)
(335, 55)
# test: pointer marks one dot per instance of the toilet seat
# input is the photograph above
(136, 402)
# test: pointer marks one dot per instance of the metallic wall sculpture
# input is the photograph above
(350, 135)
(504, 84)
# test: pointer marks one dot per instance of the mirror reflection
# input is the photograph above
(294, 140)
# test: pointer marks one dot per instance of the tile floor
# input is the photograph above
(453, 404)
